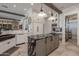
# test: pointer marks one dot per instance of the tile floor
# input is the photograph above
(24, 50)
(64, 50)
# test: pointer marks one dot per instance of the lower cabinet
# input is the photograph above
(45, 46)
(49, 45)
(5, 45)
(40, 48)
(55, 42)
(11, 43)
(21, 38)
(52, 44)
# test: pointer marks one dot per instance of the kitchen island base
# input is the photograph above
(42, 45)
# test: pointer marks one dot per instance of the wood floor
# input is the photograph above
(64, 50)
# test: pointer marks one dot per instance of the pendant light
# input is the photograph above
(42, 13)
(52, 18)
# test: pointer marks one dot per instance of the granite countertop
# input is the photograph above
(37, 37)
(4, 54)
(6, 37)
(42, 36)
(57, 32)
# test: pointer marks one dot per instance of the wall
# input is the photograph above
(62, 24)
(46, 24)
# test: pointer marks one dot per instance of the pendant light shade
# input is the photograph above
(42, 13)
(52, 17)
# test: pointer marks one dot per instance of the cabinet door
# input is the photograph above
(40, 48)
(3, 47)
(41, 20)
(49, 43)
(38, 28)
(56, 42)
(12, 43)
(53, 43)
(20, 39)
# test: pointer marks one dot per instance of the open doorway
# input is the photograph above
(71, 29)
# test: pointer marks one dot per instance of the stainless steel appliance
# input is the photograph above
(71, 29)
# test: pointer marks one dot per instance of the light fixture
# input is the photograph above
(32, 4)
(14, 6)
(52, 17)
(25, 9)
(5, 6)
(42, 13)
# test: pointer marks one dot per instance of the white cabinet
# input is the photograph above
(37, 28)
(12, 42)
(37, 24)
(35, 20)
(21, 38)
(38, 20)
(48, 27)
(5, 45)
(41, 20)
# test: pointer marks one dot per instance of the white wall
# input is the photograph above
(62, 25)
(46, 25)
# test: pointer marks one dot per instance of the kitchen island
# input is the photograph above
(43, 44)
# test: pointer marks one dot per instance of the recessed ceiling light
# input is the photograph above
(5, 6)
(14, 6)
(25, 9)
(32, 3)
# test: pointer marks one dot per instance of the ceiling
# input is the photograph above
(25, 8)
(63, 6)
(19, 8)
(22, 8)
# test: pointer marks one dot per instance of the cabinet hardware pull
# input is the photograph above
(8, 43)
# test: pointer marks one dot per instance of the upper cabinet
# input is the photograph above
(37, 28)
(7, 24)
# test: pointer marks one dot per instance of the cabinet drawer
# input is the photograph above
(6, 45)
(3, 46)
(4, 42)
(12, 43)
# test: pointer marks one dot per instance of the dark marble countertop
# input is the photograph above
(6, 37)
(36, 37)
(4, 54)
(42, 36)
